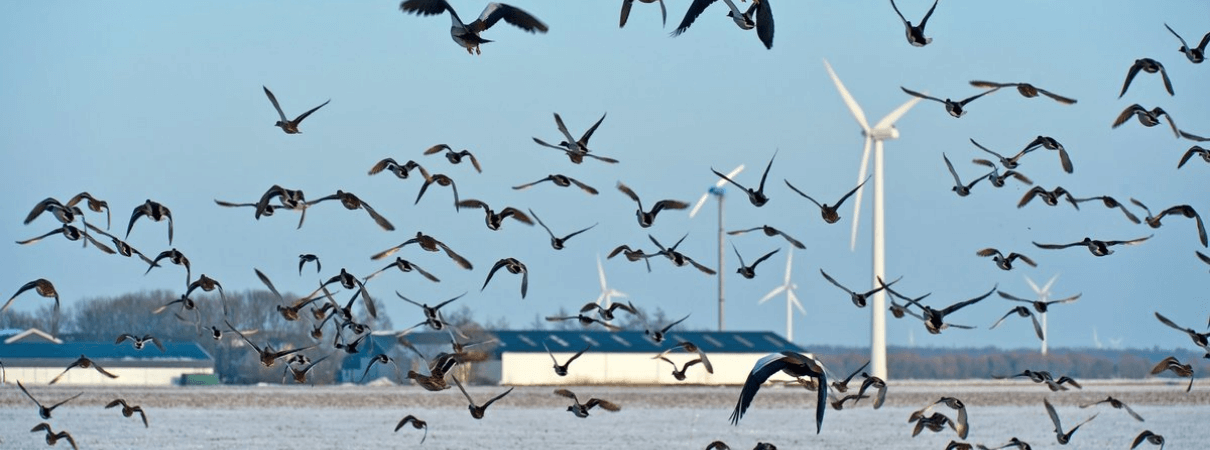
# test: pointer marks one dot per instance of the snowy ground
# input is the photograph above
(293, 417)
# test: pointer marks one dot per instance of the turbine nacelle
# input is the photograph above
(882, 134)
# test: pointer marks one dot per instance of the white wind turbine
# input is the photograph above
(717, 192)
(791, 300)
(607, 293)
(883, 130)
(1043, 294)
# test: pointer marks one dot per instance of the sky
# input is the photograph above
(152, 100)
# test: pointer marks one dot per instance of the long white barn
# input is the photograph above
(34, 357)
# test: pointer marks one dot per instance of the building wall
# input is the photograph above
(521, 369)
(129, 376)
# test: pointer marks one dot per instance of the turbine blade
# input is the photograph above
(848, 99)
(771, 294)
(701, 201)
(865, 161)
(1046, 287)
(790, 297)
(601, 272)
(894, 116)
(698, 205)
(789, 260)
(1033, 285)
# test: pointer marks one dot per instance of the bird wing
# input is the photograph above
(276, 106)
(834, 282)
(588, 134)
(1167, 82)
(1009, 313)
(626, 12)
(1134, 70)
(764, 368)
(498, 397)
(729, 180)
(762, 258)
(1054, 416)
(922, 24)
(563, 129)
(973, 97)
(1057, 246)
(269, 284)
(1178, 36)
(695, 10)
(850, 194)
(1127, 114)
(1165, 321)
(896, 8)
(606, 405)
(669, 326)
(808, 197)
(381, 221)
(990, 84)
(511, 14)
(304, 115)
(1133, 414)
(497, 266)
(1057, 97)
(1130, 242)
(952, 308)
(1037, 326)
(456, 257)
(460, 388)
(630, 193)
(578, 232)
(102, 370)
(585, 187)
(917, 94)
(764, 22)
(957, 181)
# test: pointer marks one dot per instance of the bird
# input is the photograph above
(1116, 404)
(756, 196)
(401, 171)
(287, 125)
(1014, 442)
(1150, 66)
(1050, 143)
(959, 424)
(584, 321)
(1023, 312)
(440, 180)
(1178, 369)
(1147, 118)
(1202, 256)
(607, 313)
(44, 411)
(658, 334)
(427, 243)
(1005, 262)
(793, 364)
(268, 356)
(291, 199)
(556, 242)
(290, 313)
(838, 403)
(1194, 150)
(468, 35)
(42, 287)
(493, 219)
(1195, 54)
(626, 11)
(84, 363)
(455, 157)
(1008, 163)
(207, 284)
(306, 258)
(1039, 306)
(416, 423)
(647, 218)
(477, 411)
(859, 298)
(869, 381)
(1184, 210)
(694, 348)
(51, 437)
(1096, 247)
(759, 16)
(999, 180)
(962, 190)
(770, 231)
(680, 374)
(1109, 202)
(561, 181)
(575, 149)
(581, 409)
(152, 210)
(300, 374)
(348, 281)
(128, 410)
(93, 204)
(404, 266)
(954, 108)
(139, 342)
(63, 213)
(1147, 435)
(71, 233)
(1199, 339)
(915, 34)
(829, 212)
(380, 358)
(432, 314)
(843, 385)
(351, 202)
(1062, 437)
(1037, 376)
(679, 259)
(514, 267)
(747, 271)
(173, 256)
(934, 320)
(1050, 197)
(1026, 89)
(935, 423)
(561, 369)
(633, 255)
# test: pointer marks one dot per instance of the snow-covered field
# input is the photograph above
(298, 417)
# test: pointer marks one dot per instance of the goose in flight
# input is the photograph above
(287, 125)
(1195, 54)
(576, 149)
(829, 212)
(1150, 66)
(626, 4)
(793, 364)
(1027, 90)
(467, 35)
(759, 16)
(956, 108)
(915, 34)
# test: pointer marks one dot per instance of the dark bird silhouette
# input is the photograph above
(176, 257)
(692, 348)
(53, 438)
(1096, 247)
(1150, 66)
(1146, 435)
(1026, 89)
(935, 423)
(380, 358)
(514, 267)
(679, 259)
(829, 212)
(63, 213)
(1005, 262)
(1049, 143)
(959, 188)
(268, 356)
(1184, 210)
(292, 199)
(349, 281)
(959, 424)
(793, 364)
(626, 11)
(607, 313)
(84, 363)
(658, 334)
(956, 108)
(747, 271)
(477, 411)
(1008, 163)
(679, 374)
(1060, 435)
(1147, 118)
(351, 202)
(756, 196)
(70, 233)
(581, 409)
(305, 258)
(915, 34)
(876, 383)
(576, 149)
(584, 321)
(432, 314)
(427, 243)
(1023, 312)
(416, 423)
(647, 218)
(455, 157)
(154, 211)
(287, 125)
(1014, 442)
(128, 410)
(633, 255)
(440, 180)
(843, 385)
(401, 171)
(404, 266)
(300, 373)
(1195, 54)
(1199, 339)
(44, 411)
(561, 369)
(934, 320)
(1204, 258)
(139, 342)
(493, 219)
(1051, 197)
(759, 16)
(1194, 151)
(466, 35)
(42, 287)
(93, 204)
(770, 231)
(1109, 202)
(1039, 306)
(561, 181)
(1172, 364)
(121, 246)
(556, 242)
(1116, 404)
(859, 298)
(207, 284)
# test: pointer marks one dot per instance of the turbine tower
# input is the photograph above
(1043, 294)
(607, 293)
(883, 130)
(717, 191)
(791, 299)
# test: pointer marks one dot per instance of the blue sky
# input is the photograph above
(163, 101)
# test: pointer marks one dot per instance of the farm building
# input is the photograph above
(35, 357)
(615, 358)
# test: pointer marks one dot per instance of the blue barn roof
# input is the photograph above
(37, 354)
(528, 341)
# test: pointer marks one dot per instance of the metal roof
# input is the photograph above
(116, 355)
(528, 341)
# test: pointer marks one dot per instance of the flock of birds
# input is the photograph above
(807, 369)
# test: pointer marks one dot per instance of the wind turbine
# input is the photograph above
(717, 192)
(883, 130)
(1043, 294)
(607, 293)
(791, 299)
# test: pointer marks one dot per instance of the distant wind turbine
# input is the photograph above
(1043, 294)
(791, 300)
(1096, 340)
(607, 293)
(883, 130)
(717, 192)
